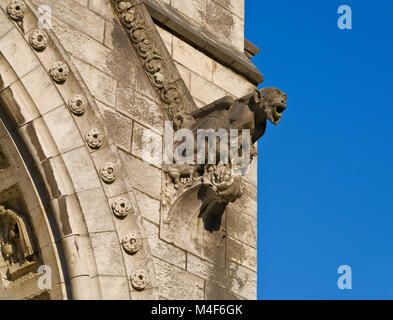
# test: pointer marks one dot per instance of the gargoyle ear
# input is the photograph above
(257, 96)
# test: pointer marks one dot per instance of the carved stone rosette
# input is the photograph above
(108, 173)
(16, 10)
(77, 105)
(38, 40)
(139, 280)
(131, 244)
(121, 207)
(94, 138)
(59, 72)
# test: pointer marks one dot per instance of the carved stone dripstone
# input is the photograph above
(94, 138)
(139, 280)
(38, 40)
(131, 244)
(78, 105)
(59, 72)
(16, 10)
(108, 173)
(151, 55)
(121, 207)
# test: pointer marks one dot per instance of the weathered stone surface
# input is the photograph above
(17, 52)
(161, 249)
(102, 86)
(52, 98)
(242, 226)
(145, 177)
(242, 254)
(76, 15)
(177, 284)
(204, 90)
(96, 211)
(107, 252)
(119, 127)
(63, 129)
(150, 208)
(144, 139)
(114, 288)
(244, 281)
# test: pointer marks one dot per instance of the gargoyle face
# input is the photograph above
(273, 103)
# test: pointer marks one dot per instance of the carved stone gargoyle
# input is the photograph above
(213, 185)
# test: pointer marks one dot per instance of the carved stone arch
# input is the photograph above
(59, 133)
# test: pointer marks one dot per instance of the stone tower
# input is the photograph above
(82, 84)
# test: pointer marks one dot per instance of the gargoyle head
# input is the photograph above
(272, 102)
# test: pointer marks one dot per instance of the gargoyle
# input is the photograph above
(249, 112)
(216, 183)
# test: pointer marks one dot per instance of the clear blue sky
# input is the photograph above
(326, 172)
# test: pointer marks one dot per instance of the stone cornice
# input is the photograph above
(170, 19)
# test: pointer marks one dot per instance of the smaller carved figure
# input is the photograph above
(15, 243)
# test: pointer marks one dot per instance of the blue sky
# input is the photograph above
(326, 171)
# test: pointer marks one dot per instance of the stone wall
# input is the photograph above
(105, 63)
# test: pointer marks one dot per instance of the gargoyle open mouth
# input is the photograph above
(277, 114)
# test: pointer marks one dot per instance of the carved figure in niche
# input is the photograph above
(15, 243)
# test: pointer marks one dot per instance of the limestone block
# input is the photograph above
(242, 254)
(108, 39)
(95, 209)
(193, 9)
(149, 207)
(193, 59)
(18, 53)
(244, 281)
(102, 86)
(167, 37)
(83, 47)
(119, 127)
(143, 140)
(107, 253)
(78, 16)
(141, 109)
(242, 227)
(55, 177)
(204, 90)
(177, 284)
(144, 177)
(185, 74)
(5, 24)
(231, 82)
(227, 26)
(206, 270)
(161, 249)
(63, 129)
(114, 288)
(247, 203)
(39, 140)
(81, 169)
(101, 7)
(51, 99)
(8, 76)
(214, 291)
(235, 6)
